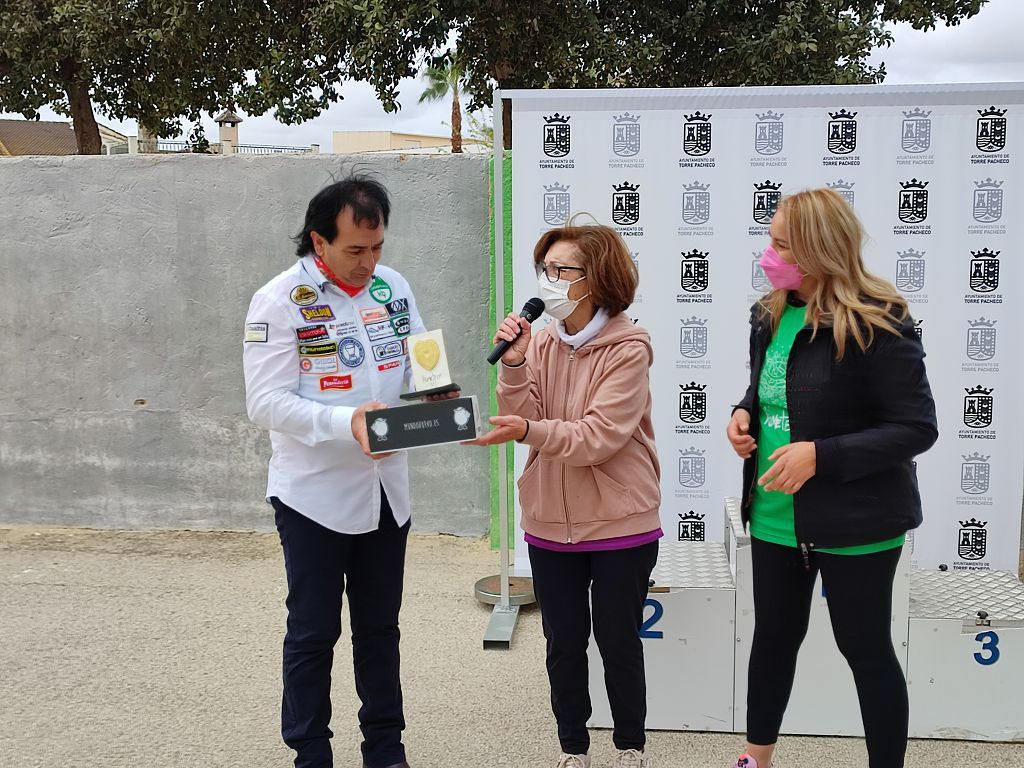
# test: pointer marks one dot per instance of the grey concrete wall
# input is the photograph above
(126, 280)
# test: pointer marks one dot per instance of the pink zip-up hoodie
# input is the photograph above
(593, 469)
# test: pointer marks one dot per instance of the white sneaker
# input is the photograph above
(573, 761)
(632, 758)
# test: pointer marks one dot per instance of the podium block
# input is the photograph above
(688, 639)
(966, 655)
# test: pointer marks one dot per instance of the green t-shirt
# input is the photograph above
(771, 517)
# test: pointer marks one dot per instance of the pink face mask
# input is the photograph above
(781, 274)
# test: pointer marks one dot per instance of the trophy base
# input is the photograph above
(453, 387)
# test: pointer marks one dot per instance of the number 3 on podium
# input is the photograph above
(989, 648)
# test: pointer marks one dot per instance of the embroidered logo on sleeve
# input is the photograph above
(256, 332)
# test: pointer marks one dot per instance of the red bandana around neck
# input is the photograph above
(351, 290)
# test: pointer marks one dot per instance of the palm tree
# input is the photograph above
(441, 80)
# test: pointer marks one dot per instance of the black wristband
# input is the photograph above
(519, 440)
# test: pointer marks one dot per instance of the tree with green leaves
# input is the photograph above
(443, 80)
(153, 62)
(662, 43)
(159, 62)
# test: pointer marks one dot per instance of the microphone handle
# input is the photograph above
(499, 349)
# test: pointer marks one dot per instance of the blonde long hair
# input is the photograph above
(825, 237)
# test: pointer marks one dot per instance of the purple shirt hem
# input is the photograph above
(598, 545)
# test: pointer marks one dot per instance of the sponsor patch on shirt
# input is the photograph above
(324, 364)
(378, 331)
(387, 350)
(304, 295)
(389, 366)
(319, 312)
(335, 382)
(318, 350)
(380, 290)
(401, 324)
(374, 315)
(397, 307)
(342, 329)
(255, 332)
(351, 352)
(311, 333)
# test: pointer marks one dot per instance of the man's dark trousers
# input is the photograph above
(321, 565)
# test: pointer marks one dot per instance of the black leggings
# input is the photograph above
(858, 589)
(606, 590)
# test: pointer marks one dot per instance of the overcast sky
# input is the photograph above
(987, 48)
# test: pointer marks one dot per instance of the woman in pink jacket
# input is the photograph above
(579, 396)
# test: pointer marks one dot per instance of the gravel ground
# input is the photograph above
(162, 649)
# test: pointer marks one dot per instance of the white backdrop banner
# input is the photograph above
(691, 177)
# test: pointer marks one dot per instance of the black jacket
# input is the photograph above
(868, 415)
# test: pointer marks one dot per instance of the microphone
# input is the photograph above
(530, 312)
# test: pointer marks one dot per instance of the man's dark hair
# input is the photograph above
(366, 196)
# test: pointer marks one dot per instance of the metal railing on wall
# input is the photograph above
(165, 146)
(259, 149)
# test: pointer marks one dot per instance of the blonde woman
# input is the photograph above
(837, 408)
(578, 394)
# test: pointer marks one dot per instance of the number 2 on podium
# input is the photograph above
(646, 633)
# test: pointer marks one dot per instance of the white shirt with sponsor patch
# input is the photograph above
(312, 354)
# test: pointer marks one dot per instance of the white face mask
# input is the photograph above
(556, 296)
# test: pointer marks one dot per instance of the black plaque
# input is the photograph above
(422, 424)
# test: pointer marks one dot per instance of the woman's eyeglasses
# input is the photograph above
(554, 273)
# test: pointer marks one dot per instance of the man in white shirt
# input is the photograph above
(324, 343)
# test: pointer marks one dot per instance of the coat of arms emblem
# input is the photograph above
(913, 199)
(693, 338)
(978, 407)
(697, 134)
(917, 131)
(984, 271)
(556, 135)
(556, 204)
(842, 132)
(625, 204)
(991, 130)
(988, 201)
(910, 270)
(695, 272)
(626, 135)
(981, 339)
(768, 133)
(973, 539)
(693, 403)
(696, 203)
(766, 200)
